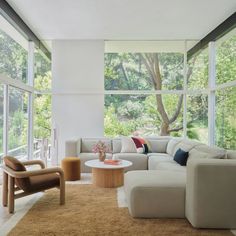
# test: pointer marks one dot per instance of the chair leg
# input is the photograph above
(5, 189)
(62, 191)
(11, 199)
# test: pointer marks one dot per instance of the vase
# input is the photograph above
(102, 156)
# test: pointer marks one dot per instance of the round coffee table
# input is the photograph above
(108, 176)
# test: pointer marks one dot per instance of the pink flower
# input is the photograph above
(100, 147)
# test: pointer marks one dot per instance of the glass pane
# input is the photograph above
(226, 58)
(143, 71)
(1, 122)
(42, 106)
(42, 70)
(139, 114)
(42, 123)
(13, 52)
(18, 123)
(225, 118)
(197, 118)
(197, 73)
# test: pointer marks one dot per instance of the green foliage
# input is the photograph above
(113, 126)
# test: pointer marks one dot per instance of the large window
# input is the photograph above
(17, 120)
(160, 93)
(136, 104)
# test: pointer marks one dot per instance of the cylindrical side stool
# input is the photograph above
(71, 168)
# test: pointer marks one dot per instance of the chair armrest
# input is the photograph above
(25, 174)
(34, 162)
(211, 193)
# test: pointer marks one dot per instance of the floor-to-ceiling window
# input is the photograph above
(170, 92)
(144, 89)
(19, 58)
(226, 91)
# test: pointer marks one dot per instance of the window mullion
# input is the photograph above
(30, 100)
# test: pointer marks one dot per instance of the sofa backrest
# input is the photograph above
(186, 144)
(231, 154)
(204, 151)
(158, 143)
(116, 145)
(88, 143)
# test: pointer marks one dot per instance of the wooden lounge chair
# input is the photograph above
(19, 182)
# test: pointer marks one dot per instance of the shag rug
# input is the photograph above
(94, 211)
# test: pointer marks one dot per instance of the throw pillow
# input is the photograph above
(127, 145)
(146, 145)
(181, 157)
(138, 144)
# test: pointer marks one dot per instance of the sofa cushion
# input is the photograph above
(116, 145)
(153, 194)
(216, 152)
(171, 166)
(128, 145)
(88, 143)
(159, 145)
(155, 158)
(181, 157)
(186, 145)
(171, 145)
(194, 153)
(231, 154)
(140, 161)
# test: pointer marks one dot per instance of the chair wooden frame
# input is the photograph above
(9, 176)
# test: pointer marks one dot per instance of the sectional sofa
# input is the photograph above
(156, 186)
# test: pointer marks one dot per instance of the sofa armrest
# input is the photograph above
(211, 193)
(72, 148)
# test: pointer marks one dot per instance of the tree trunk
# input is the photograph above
(164, 131)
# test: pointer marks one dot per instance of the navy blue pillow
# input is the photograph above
(181, 157)
(145, 148)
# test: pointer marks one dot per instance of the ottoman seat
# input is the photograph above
(71, 168)
(155, 194)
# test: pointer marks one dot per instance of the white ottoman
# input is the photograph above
(155, 194)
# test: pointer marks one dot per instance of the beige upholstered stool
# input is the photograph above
(71, 168)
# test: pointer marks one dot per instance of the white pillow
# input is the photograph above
(127, 145)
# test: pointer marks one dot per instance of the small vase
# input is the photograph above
(102, 156)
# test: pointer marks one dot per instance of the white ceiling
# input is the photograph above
(123, 19)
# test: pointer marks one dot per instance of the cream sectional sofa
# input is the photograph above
(157, 187)
(82, 147)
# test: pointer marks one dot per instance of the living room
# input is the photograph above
(127, 110)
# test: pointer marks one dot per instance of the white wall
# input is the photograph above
(77, 89)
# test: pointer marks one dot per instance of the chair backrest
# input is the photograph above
(16, 165)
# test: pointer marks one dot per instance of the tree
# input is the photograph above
(151, 61)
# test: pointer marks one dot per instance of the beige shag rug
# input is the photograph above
(94, 211)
